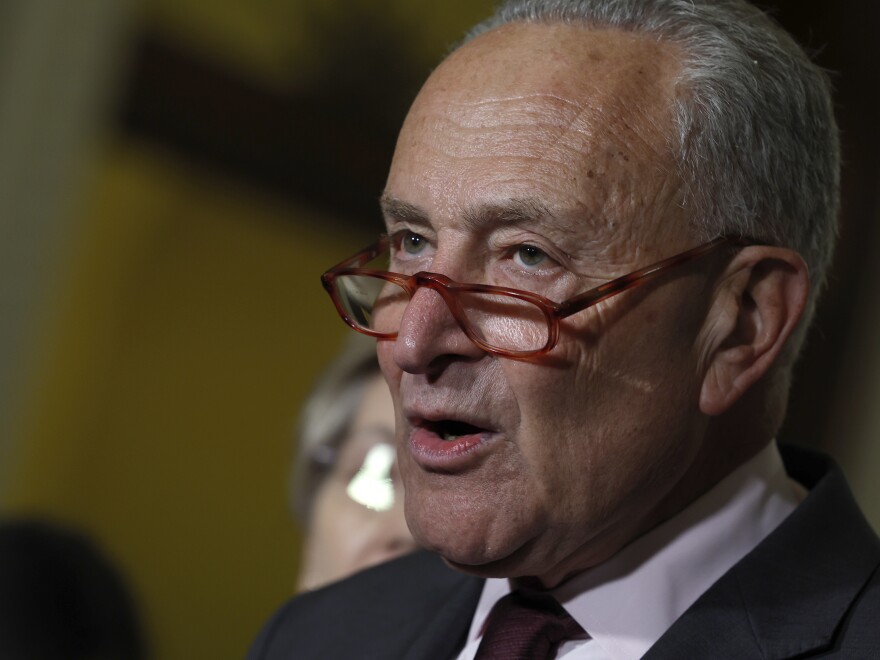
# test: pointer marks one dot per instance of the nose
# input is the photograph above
(429, 335)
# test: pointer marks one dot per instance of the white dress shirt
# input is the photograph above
(629, 601)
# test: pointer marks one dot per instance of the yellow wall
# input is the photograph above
(190, 326)
(275, 39)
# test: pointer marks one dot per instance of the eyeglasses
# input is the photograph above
(507, 322)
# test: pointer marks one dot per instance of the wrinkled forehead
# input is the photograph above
(579, 119)
(561, 75)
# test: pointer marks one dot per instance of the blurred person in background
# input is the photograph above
(345, 488)
(61, 598)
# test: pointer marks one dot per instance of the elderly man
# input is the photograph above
(607, 224)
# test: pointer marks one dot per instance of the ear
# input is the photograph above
(757, 305)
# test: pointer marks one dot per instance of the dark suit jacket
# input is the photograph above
(810, 590)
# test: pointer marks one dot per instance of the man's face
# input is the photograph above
(537, 157)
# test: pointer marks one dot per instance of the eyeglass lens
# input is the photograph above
(499, 321)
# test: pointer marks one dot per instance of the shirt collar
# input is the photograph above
(629, 601)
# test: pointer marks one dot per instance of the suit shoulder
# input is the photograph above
(363, 614)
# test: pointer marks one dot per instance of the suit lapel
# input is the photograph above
(790, 595)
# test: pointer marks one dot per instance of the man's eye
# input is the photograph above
(529, 255)
(413, 243)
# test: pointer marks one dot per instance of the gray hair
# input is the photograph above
(326, 417)
(757, 144)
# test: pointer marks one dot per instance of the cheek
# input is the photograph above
(553, 405)
(551, 396)
(597, 419)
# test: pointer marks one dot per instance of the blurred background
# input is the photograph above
(174, 177)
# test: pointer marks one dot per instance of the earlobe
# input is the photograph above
(757, 305)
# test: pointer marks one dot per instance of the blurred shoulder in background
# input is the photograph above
(61, 597)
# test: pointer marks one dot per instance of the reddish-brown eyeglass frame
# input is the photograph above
(448, 290)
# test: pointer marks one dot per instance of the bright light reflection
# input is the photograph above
(372, 486)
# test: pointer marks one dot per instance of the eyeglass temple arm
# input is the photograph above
(641, 276)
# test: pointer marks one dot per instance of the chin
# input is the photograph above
(522, 564)
(468, 551)
(499, 568)
(473, 527)
(457, 547)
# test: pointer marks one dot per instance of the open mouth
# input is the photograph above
(451, 430)
(450, 445)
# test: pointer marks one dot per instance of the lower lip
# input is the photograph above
(434, 453)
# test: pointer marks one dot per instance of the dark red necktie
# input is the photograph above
(526, 628)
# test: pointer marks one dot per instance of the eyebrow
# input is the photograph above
(397, 209)
(513, 211)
